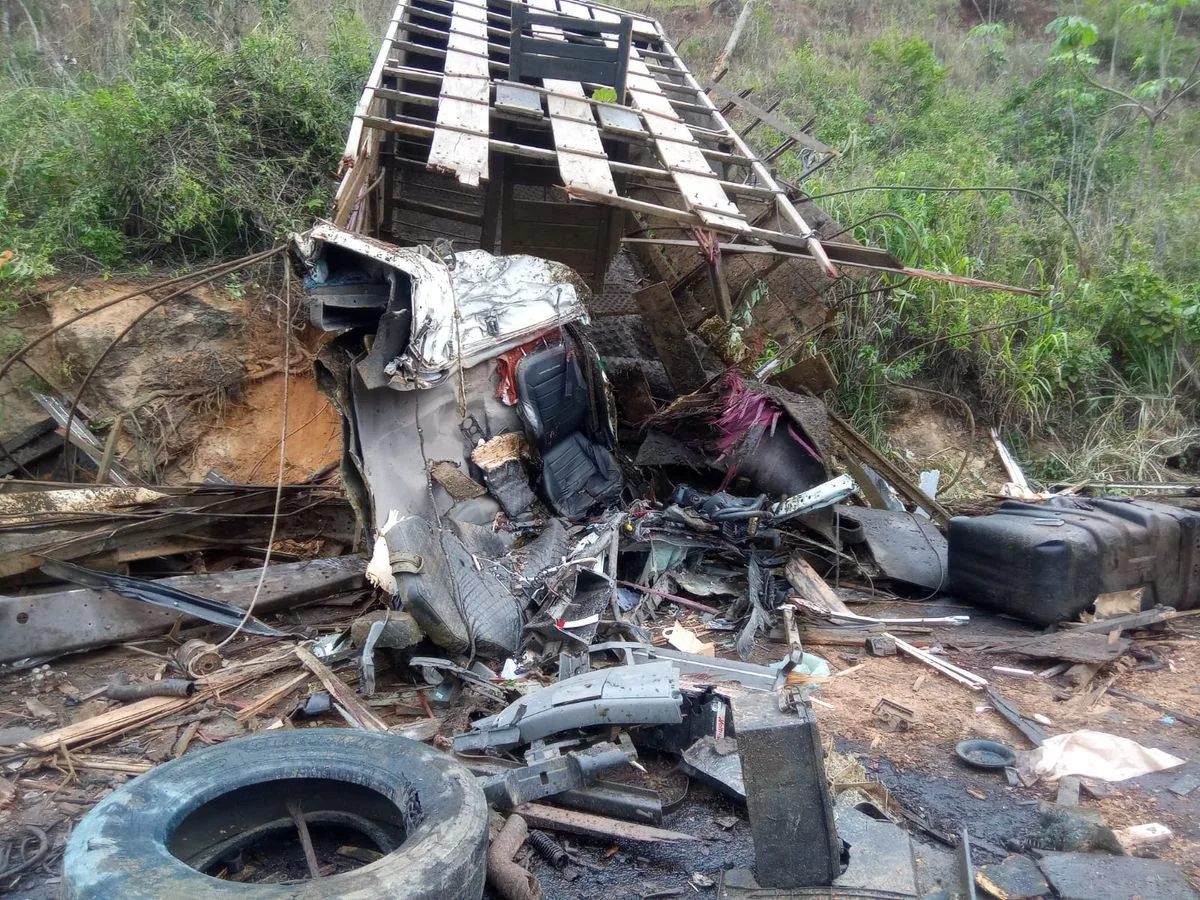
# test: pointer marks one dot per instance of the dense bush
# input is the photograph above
(910, 96)
(198, 148)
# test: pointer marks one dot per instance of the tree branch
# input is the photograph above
(1141, 107)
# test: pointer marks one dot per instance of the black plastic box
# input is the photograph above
(1047, 562)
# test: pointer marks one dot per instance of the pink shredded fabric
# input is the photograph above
(744, 409)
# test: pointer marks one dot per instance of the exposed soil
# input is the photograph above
(243, 444)
(200, 381)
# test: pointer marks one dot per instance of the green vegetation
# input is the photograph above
(1097, 110)
(194, 144)
(176, 132)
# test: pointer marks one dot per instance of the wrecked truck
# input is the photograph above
(452, 363)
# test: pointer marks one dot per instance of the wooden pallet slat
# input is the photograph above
(675, 143)
(460, 142)
(581, 157)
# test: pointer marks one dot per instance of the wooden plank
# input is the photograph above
(670, 337)
(1130, 621)
(1033, 733)
(680, 154)
(581, 157)
(811, 586)
(462, 148)
(518, 99)
(570, 821)
(347, 191)
(857, 445)
(106, 725)
(346, 698)
(770, 118)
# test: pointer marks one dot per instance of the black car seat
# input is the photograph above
(578, 472)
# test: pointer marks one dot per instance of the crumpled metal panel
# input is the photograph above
(464, 312)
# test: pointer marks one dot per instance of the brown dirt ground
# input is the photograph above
(241, 438)
(244, 444)
(946, 714)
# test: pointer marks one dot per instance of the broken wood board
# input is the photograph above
(670, 337)
(100, 541)
(460, 141)
(1030, 729)
(812, 587)
(36, 625)
(107, 725)
(342, 695)
(1072, 646)
(855, 444)
(769, 118)
(810, 375)
(1127, 623)
(551, 818)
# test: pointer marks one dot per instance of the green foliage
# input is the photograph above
(199, 150)
(1072, 36)
(908, 73)
(1000, 106)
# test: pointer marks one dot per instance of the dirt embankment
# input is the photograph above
(198, 382)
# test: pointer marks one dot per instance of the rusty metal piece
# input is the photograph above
(510, 880)
(121, 688)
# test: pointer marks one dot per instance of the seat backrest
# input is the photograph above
(581, 54)
(551, 394)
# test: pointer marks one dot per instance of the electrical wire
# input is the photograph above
(231, 268)
(283, 435)
(1080, 258)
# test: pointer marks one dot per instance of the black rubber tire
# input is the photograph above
(120, 847)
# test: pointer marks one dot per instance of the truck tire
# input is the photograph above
(409, 799)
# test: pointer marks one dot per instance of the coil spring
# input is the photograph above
(549, 849)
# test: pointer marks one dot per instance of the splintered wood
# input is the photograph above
(460, 142)
(108, 725)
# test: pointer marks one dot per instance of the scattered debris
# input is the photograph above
(892, 716)
(575, 532)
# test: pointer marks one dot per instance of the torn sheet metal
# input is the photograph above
(160, 595)
(904, 547)
(395, 434)
(457, 312)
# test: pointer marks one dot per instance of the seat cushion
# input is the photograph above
(578, 474)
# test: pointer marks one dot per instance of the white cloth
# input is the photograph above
(1094, 754)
